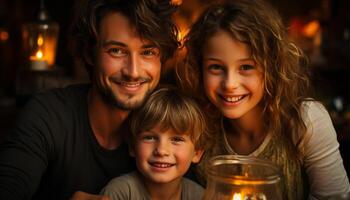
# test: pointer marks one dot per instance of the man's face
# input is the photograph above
(127, 66)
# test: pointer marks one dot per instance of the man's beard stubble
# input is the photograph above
(111, 98)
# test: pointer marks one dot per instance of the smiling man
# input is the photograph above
(68, 143)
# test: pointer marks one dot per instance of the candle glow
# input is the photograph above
(237, 196)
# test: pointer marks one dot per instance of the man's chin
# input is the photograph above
(128, 105)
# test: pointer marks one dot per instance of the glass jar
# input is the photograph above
(234, 177)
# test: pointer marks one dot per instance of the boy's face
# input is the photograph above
(127, 66)
(164, 156)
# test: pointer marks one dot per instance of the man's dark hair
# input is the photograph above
(151, 18)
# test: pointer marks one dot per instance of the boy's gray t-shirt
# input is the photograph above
(130, 186)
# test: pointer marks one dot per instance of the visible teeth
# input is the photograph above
(161, 165)
(130, 84)
(234, 99)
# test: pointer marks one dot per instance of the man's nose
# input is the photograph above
(132, 67)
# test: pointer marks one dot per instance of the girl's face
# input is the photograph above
(233, 82)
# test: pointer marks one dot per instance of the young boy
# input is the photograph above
(168, 133)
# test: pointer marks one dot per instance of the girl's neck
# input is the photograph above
(249, 124)
(158, 191)
(245, 134)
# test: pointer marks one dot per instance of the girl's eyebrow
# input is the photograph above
(240, 60)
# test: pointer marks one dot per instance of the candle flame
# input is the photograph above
(40, 41)
(39, 54)
(237, 196)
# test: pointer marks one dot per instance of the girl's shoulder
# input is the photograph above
(310, 107)
(319, 126)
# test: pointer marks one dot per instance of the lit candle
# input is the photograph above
(37, 62)
(248, 196)
(237, 196)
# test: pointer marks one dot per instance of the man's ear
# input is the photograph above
(197, 155)
(89, 55)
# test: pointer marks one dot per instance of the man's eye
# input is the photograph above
(116, 51)
(150, 52)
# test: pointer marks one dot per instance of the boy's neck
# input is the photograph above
(160, 191)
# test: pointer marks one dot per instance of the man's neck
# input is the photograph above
(106, 121)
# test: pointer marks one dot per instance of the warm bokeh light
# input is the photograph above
(176, 2)
(4, 35)
(39, 55)
(311, 28)
(40, 41)
(237, 196)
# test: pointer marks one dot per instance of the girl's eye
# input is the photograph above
(215, 67)
(246, 67)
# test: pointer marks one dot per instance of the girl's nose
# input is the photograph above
(231, 81)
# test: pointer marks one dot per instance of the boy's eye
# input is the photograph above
(148, 138)
(178, 139)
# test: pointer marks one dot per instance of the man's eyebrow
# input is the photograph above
(113, 42)
(149, 46)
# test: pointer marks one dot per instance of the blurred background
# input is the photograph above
(34, 55)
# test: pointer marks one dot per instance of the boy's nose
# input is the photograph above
(161, 149)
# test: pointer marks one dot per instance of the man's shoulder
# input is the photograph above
(75, 90)
(72, 94)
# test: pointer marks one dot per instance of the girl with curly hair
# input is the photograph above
(254, 83)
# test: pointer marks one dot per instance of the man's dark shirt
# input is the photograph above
(52, 152)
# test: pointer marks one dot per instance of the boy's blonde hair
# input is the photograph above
(170, 109)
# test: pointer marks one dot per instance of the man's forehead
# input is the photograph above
(117, 27)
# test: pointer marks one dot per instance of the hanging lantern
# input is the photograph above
(40, 41)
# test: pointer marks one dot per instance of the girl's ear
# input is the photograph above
(197, 155)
